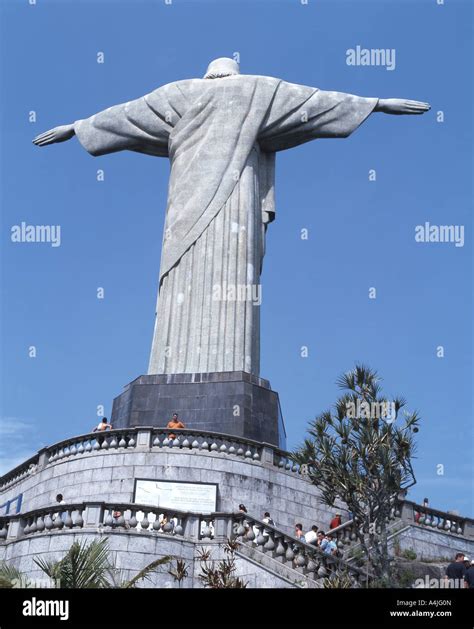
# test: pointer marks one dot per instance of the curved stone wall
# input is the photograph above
(110, 475)
(132, 551)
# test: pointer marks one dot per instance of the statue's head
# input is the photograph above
(224, 66)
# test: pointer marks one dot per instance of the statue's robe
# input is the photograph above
(221, 136)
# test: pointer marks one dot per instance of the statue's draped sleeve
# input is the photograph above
(141, 125)
(299, 114)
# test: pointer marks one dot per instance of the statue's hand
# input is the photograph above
(400, 106)
(53, 136)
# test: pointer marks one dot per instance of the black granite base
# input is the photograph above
(235, 403)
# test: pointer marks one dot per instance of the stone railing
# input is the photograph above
(284, 460)
(49, 519)
(207, 442)
(138, 519)
(435, 519)
(20, 472)
(346, 533)
(290, 551)
(101, 517)
(112, 439)
(152, 439)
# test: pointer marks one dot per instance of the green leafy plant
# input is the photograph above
(86, 565)
(179, 572)
(220, 574)
(363, 457)
(339, 580)
(408, 553)
(11, 577)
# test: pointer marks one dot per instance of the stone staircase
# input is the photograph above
(301, 565)
(292, 576)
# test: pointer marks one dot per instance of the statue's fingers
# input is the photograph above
(45, 141)
(421, 107)
(43, 136)
(48, 132)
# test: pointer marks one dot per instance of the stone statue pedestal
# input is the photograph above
(234, 402)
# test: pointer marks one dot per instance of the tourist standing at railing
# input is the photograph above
(174, 423)
(299, 532)
(321, 538)
(243, 509)
(311, 537)
(335, 522)
(59, 514)
(60, 500)
(267, 519)
(328, 545)
(102, 426)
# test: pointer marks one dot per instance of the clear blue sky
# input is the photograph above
(315, 292)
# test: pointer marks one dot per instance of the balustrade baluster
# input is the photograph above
(79, 521)
(48, 522)
(280, 548)
(133, 519)
(270, 542)
(179, 529)
(68, 520)
(145, 523)
(260, 537)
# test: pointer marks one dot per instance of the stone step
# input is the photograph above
(293, 576)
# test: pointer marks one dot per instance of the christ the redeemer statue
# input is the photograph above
(221, 134)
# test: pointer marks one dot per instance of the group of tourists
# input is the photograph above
(324, 541)
(315, 537)
(174, 422)
(460, 572)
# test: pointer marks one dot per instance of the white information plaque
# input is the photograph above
(197, 497)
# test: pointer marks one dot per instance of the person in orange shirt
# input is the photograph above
(336, 521)
(174, 423)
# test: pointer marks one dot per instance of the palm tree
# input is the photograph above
(360, 452)
(11, 577)
(86, 565)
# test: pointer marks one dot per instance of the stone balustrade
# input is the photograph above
(95, 441)
(152, 439)
(127, 518)
(143, 518)
(288, 550)
(20, 472)
(435, 519)
(346, 533)
(284, 461)
(207, 442)
(50, 519)
(4, 526)
(123, 517)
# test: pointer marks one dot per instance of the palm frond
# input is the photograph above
(147, 571)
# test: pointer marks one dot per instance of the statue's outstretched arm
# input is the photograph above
(53, 136)
(401, 106)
